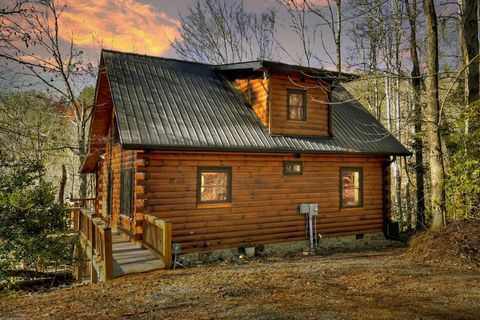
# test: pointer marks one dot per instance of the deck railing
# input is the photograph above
(88, 203)
(157, 235)
(97, 237)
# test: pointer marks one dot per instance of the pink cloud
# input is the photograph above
(125, 25)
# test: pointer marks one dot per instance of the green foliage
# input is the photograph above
(32, 125)
(33, 225)
(463, 179)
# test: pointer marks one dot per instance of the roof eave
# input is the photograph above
(135, 146)
(329, 76)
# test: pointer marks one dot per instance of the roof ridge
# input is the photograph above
(153, 57)
(262, 62)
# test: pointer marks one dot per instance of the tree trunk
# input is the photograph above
(470, 46)
(470, 35)
(63, 182)
(417, 107)
(82, 189)
(408, 200)
(338, 35)
(437, 171)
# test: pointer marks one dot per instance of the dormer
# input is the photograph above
(289, 100)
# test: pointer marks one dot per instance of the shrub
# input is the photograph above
(33, 224)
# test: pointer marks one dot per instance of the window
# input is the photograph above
(214, 185)
(292, 167)
(297, 106)
(126, 192)
(351, 187)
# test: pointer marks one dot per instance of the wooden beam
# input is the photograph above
(107, 252)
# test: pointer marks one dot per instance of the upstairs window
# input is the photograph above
(297, 106)
(351, 187)
(214, 185)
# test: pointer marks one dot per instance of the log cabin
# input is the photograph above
(228, 153)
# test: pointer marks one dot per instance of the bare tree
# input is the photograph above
(13, 8)
(333, 19)
(305, 32)
(31, 46)
(366, 35)
(219, 31)
(412, 14)
(437, 170)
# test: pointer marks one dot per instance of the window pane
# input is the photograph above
(296, 104)
(214, 186)
(296, 99)
(126, 192)
(296, 113)
(292, 167)
(351, 188)
(351, 197)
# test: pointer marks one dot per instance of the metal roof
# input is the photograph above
(178, 105)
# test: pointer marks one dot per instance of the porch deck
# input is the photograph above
(129, 258)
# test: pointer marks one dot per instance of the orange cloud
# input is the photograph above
(124, 25)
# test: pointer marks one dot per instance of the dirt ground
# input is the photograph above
(368, 285)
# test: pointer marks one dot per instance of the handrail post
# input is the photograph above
(107, 253)
(80, 221)
(97, 222)
(91, 230)
(75, 216)
(93, 236)
(167, 244)
(158, 237)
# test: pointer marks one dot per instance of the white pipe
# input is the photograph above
(310, 230)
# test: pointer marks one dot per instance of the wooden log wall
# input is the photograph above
(317, 106)
(118, 159)
(255, 90)
(265, 203)
(268, 98)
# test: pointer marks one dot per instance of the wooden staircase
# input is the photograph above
(129, 258)
(110, 254)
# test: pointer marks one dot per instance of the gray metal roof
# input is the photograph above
(178, 105)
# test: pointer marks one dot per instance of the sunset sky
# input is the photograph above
(140, 26)
(126, 25)
(148, 26)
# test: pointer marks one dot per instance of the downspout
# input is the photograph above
(386, 228)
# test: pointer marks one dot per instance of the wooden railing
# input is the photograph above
(97, 237)
(157, 235)
(84, 202)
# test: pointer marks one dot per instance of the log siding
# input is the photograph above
(269, 99)
(116, 160)
(316, 123)
(264, 207)
(255, 91)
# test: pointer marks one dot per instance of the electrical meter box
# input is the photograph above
(309, 208)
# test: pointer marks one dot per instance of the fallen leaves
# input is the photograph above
(374, 285)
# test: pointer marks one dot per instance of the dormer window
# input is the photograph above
(296, 104)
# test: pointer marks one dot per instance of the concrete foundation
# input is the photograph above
(331, 245)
